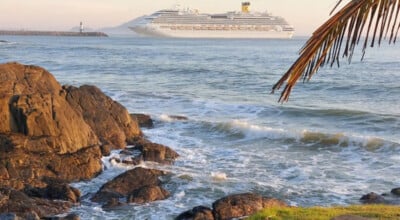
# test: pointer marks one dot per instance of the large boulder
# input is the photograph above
(41, 135)
(241, 205)
(69, 127)
(109, 119)
(33, 104)
(154, 152)
(50, 133)
(138, 185)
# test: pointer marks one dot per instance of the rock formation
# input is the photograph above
(232, 207)
(197, 213)
(108, 119)
(153, 152)
(51, 134)
(144, 121)
(138, 185)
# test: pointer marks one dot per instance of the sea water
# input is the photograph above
(334, 141)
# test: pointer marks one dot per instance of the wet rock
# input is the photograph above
(155, 152)
(23, 206)
(396, 191)
(108, 119)
(197, 213)
(178, 117)
(143, 120)
(126, 152)
(373, 198)
(113, 203)
(148, 194)
(132, 161)
(58, 191)
(128, 184)
(241, 205)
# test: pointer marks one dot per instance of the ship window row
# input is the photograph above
(224, 28)
(200, 21)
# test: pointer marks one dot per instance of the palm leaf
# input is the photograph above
(338, 37)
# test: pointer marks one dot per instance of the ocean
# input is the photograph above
(334, 141)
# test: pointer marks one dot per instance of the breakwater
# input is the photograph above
(53, 33)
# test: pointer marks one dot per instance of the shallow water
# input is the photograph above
(336, 139)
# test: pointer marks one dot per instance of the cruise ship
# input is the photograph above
(192, 24)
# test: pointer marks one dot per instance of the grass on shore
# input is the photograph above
(327, 213)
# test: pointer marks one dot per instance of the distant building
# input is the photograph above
(81, 27)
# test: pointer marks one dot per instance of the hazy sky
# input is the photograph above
(304, 15)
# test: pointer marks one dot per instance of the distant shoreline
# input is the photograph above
(53, 33)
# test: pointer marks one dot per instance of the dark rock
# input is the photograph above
(197, 213)
(23, 206)
(396, 191)
(143, 120)
(155, 152)
(128, 183)
(148, 194)
(59, 191)
(241, 205)
(113, 203)
(132, 161)
(373, 198)
(108, 119)
(178, 117)
(126, 152)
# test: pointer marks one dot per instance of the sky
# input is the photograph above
(304, 15)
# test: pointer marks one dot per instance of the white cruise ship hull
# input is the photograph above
(155, 31)
(191, 24)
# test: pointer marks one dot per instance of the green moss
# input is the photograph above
(322, 213)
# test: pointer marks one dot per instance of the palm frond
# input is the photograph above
(339, 36)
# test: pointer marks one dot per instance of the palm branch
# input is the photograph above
(339, 35)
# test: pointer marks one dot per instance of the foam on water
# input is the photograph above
(218, 176)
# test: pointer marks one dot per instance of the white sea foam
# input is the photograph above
(218, 176)
(180, 194)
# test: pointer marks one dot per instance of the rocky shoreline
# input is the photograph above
(52, 135)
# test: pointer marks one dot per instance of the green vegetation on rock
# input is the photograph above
(328, 213)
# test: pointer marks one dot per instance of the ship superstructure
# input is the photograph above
(192, 24)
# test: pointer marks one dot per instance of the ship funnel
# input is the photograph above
(245, 7)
